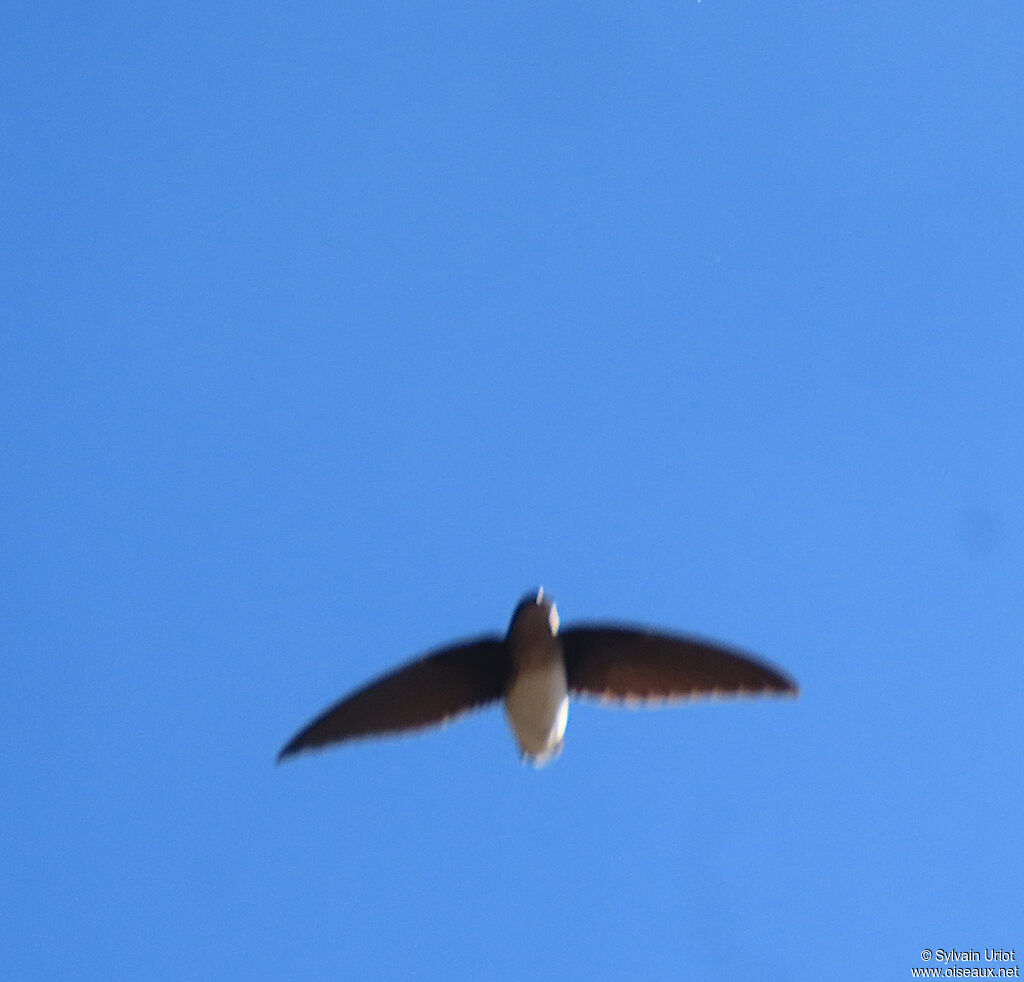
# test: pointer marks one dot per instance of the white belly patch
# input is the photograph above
(537, 707)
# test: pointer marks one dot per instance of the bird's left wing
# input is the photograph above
(424, 692)
(626, 664)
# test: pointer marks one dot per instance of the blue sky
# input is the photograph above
(331, 329)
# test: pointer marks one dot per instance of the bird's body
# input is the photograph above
(535, 669)
(537, 698)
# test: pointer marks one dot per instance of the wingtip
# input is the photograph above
(788, 687)
(776, 682)
(290, 749)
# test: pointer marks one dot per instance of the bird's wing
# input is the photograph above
(629, 665)
(430, 690)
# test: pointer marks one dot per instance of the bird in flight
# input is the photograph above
(534, 669)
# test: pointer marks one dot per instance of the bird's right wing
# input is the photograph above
(424, 692)
(629, 665)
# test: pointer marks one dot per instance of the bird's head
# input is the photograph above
(535, 612)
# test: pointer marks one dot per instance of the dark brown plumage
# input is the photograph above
(429, 690)
(624, 664)
(535, 668)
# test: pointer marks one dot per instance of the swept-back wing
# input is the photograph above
(626, 664)
(424, 692)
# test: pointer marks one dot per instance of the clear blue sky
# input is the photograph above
(328, 330)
